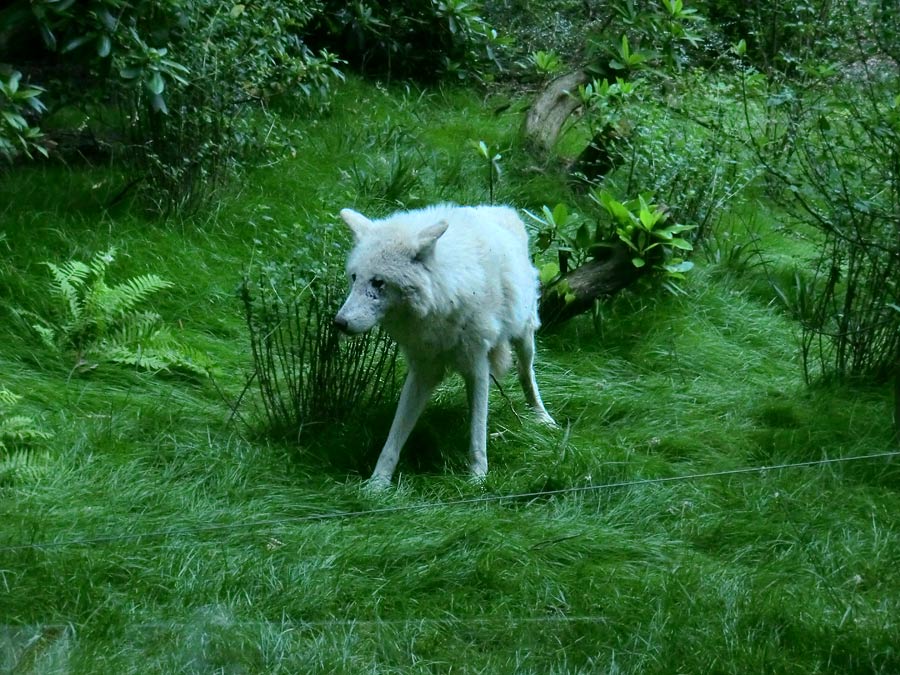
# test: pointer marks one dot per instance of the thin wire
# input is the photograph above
(520, 496)
(307, 624)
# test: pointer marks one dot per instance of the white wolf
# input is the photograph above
(455, 288)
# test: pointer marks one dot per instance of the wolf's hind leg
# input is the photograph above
(413, 399)
(525, 364)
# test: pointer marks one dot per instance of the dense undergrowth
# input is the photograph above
(161, 532)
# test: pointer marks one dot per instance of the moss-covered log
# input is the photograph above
(598, 278)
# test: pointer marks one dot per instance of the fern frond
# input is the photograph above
(148, 359)
(48, 335)
(99, 305)
(102, 260)
(20, 429)
(130, 293)
(187, 360)
(8, 398)
(104, 322)
(137, 328)
(28, 465)
(72, 272)
(68, 279)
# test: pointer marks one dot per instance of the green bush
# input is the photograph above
(413, 39)
(17, 133)
(830, 143)
(781, 36)
(190, 83)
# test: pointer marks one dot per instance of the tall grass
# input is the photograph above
(161, 539)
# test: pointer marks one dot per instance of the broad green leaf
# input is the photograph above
(625, 239)
(676, 229)
(130, 72)
(156, 84)
(638, 261)
(621, 213)
(680, 267)
(48, 37)
(76, 42)
(548, 214)
(549, 271)
(104, 46)
(682, 244)
(560, 214)
(583, 237)
(174, 66)
(158, 104)
(649, 218)
(107, 19)
(30, 92)
(14, 120)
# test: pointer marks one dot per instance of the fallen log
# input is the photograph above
(599, 278)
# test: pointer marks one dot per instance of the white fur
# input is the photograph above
(455, 288)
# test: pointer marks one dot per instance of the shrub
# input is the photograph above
(413, 39)
(17, 133)
(834, 165)
(780, 36)
(190, 82)
(306, 373)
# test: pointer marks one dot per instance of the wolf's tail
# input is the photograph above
(501, 359)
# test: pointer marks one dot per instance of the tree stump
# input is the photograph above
(554, 105)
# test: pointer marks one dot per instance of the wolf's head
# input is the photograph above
(388, 270)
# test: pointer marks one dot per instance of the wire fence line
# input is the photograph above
(313, 624)
(402, 508)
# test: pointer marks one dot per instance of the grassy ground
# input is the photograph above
(159, 537)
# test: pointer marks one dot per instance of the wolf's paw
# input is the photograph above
(477, 472)
(544, 418)
(377, 484)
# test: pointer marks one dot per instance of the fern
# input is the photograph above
(19, 458)
(132, 292)
(25, 465)
(7, 398)
(102, 322)
(68, 280)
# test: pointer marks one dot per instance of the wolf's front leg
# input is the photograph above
(413, 399)
(477, 387)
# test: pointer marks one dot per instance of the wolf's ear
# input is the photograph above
(428, 238)
(357, 222)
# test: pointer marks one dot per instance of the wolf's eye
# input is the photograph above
(352, 277)
(377, 284)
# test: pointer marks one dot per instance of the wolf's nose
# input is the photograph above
(340, 323)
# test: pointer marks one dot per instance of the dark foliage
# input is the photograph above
(423, 40)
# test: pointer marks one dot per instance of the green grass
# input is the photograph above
(168, 538)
